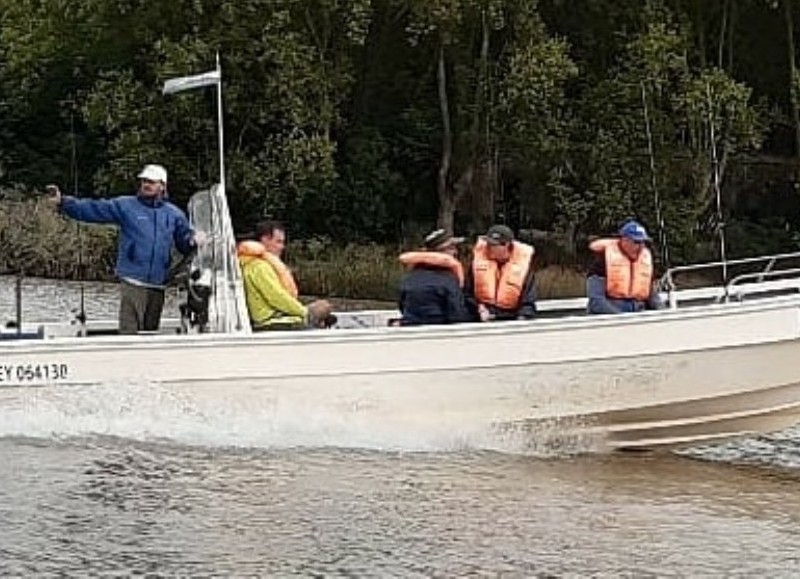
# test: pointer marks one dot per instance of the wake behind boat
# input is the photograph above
(720, 363)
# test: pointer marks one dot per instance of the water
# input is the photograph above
(158, 496)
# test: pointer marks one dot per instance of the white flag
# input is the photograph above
(182, 83)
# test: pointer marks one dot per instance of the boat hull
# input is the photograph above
(658, 379)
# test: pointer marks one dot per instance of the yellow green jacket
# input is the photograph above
(268, 302)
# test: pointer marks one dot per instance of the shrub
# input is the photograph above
(37, 241)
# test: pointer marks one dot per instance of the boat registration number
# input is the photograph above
(33, 372)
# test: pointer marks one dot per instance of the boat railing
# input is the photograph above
(790, 281)
(769, 275)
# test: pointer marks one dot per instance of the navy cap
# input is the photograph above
(634, 231)
(499, 235)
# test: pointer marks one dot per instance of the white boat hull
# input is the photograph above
(665, 378)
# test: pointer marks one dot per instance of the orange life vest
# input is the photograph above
(434, 259)
(257, 249)
(500, 286)
(625, 279)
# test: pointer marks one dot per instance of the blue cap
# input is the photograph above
(634, 231)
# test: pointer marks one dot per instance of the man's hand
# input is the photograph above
(199, 238)
(54, 194)
(318, 311)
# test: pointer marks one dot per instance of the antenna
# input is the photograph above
(717, 189)
(662, 230)
(221, 152)
(81, 317)
(73, 170)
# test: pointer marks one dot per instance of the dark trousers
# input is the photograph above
(277, 326)
(139, 308)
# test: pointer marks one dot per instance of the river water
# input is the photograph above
(111, 503)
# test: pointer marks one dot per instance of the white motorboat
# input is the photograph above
(721, 362)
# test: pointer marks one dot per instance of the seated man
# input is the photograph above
(430, 293)
(621, 278)
(270, 289)
(500, 283)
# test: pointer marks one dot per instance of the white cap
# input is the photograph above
(154, 173)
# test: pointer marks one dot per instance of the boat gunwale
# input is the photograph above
(385, 333)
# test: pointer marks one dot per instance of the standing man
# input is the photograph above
(621, 278)
(501, 282)
(149, 227)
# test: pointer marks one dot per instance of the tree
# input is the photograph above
(794, 76)
(499, 79)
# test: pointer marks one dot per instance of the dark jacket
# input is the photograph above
(600, 303)
(148, 230)
(430, 295)
(527, 301)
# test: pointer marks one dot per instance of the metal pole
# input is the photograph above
(662, 229)
(81, 317)
(215, 223)
(18, 299)
(220, 127)
(717, 191)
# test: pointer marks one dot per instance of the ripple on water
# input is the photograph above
(81, 504)
(106, 505)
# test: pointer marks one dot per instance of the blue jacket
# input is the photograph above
(431, 295)
(148, 230)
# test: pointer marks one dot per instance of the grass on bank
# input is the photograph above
(374, 272)
(38, 242)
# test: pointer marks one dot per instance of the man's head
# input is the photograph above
(632, 237)
(442, 242)
(152, 181)
(499, 243)
(272, 234)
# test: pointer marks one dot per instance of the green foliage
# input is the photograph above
(362, 204)
(654, 82)
(334, 119)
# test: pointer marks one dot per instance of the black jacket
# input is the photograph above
(526, 309)
(430, 295)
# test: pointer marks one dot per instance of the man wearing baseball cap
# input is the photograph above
(500, 283)
(621, 278)
(149, 227)
(153, 174)
(431, 290)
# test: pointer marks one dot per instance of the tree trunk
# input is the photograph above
(723, 30)
(488, 178)
(732, 16)
(477, 183)
(795, 98)
(447, 205)
(447, 211)
(699, 24)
